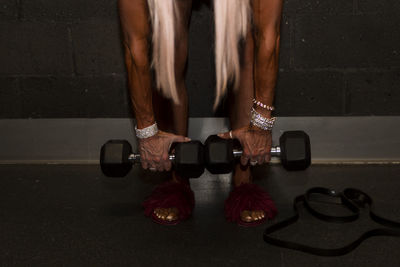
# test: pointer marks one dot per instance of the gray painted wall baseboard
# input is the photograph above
(68, 141)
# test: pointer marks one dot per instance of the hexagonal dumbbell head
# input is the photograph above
(218, 154)
(114, 158)
(189, 159)
(295, 150)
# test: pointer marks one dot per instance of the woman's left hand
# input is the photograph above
(256, 144)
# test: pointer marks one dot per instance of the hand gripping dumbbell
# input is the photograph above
(294, 152)
(116, 158)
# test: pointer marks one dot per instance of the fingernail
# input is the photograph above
(220, 135)
(188, 139)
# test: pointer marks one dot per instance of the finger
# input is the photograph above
(157, 164)
(143, 161)
(268, 158)
(152, 166)
(160, 167)
(168, 166)
(253, 158)
(145, 164)
(180, 139)
(261, 159)
(228, 135)
(244, 160)
(166, 162)
(225, 135)
(156, 160)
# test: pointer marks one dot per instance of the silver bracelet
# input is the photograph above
(146, 132)
(258, 103)
(260, 121)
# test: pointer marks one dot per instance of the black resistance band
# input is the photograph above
(352, 199)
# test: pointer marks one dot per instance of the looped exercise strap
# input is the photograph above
(352, 199)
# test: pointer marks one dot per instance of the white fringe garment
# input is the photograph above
(232, 19)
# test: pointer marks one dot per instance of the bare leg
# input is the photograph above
(178, 122)
(258, 72)
(241, 102)
(134, 15)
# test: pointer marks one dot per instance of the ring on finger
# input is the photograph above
(260, 160)
(230, 134)
(253, 163)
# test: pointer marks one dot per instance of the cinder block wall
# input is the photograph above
(63, 59)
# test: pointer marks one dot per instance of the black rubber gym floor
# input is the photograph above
(70, 215)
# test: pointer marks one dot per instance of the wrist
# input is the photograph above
(264, 112)
(146, 132)
(263, 107)
(145, 121)
(258, 129)
(261, 121)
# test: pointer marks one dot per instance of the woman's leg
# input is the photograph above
(136, 28)
(241, 102)
(172, 117)
(259, 69)
(176, 121)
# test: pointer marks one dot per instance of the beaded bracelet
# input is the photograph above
(258, 103)
(260, 121)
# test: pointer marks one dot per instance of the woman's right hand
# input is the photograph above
(154, 151)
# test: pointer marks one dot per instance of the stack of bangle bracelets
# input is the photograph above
(259, 120)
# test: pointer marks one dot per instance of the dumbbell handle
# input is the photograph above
(275, 152)
(135, 158)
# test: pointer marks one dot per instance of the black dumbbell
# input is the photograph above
(294, 152)
(116, 158)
